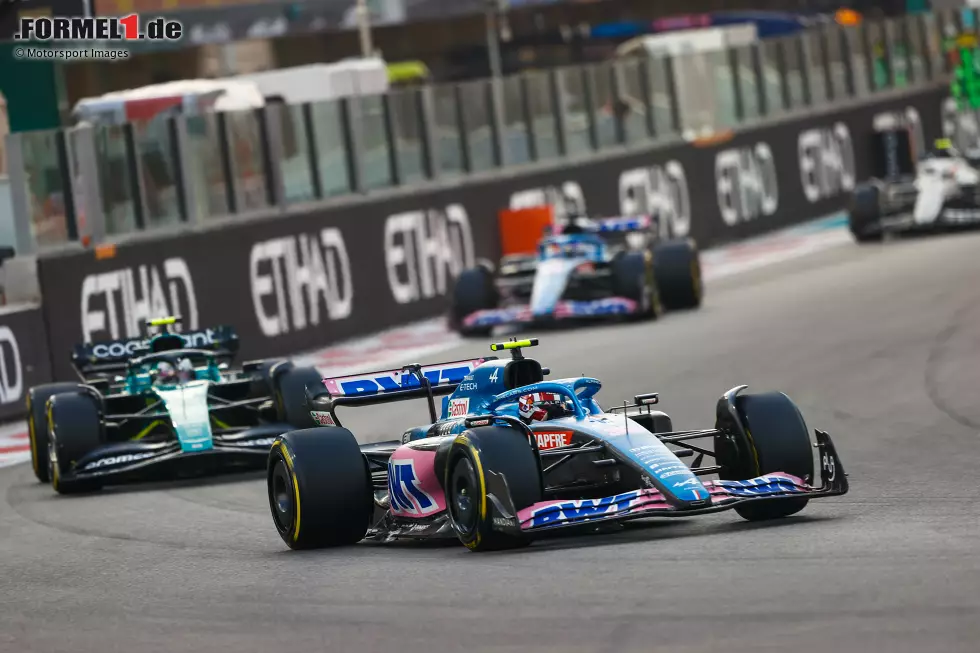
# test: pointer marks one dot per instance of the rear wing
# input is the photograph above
(114, 355)
(619, 224)
(399, 384)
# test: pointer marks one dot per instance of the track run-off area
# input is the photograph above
(879, 345)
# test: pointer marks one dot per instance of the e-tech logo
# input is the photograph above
(748, 187)
(11, 369)
(583, 509)
(659, 191)
(116, 304)
(406, 494)
(88, 28)
(424, 249)
(293, 277)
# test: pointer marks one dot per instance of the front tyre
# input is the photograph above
(320, 490)
(473, 291)
(489, 454)
(37, 424)
(75, 429)
(778, 441)
(677, 270)
(864, 219)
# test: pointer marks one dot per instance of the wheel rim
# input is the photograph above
(281, 497)
(464, 488)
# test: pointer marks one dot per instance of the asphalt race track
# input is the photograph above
(879, 345)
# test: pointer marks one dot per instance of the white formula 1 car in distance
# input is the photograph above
(943, 194)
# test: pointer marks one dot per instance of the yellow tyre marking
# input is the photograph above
(755, 452)
(30, 432)
(292, 474)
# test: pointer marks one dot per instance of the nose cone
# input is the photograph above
(550, 282)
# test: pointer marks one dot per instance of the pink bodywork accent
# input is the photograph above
(423, 463)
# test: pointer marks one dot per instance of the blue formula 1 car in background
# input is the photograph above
(592, 269)
(512, 456)
(163, 406)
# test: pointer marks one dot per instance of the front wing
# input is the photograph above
(131, 461)
(647, 502)
(564, 310)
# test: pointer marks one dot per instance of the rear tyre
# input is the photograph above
(75, 429)
(320, 490)
(474, 291)
(37, 424)
(677, 270)
(778, 441)
(864, 219)
(632, 279)
(473, 458)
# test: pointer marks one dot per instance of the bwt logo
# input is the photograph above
(294, 277)
(389, 383)
(11, 369)
(425, 249)
(405, 491)
(826, 162)
(748, 187)
(117, 304)
(583, 509)
(567, 200)
(659, 191)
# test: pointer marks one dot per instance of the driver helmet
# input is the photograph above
(166, 373)
(541, 406)
(185, 370)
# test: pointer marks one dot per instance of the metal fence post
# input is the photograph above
(387, 119)
(828, 77)
(465, 156)
(20, 197)
(646, 91)
(848, 55)
(783, 74)
(495, 106)
(136, 185)
(67, 184)
(269, 118)
(615, 87)
(177, 140)
(924, 44)
(588, 93)
(425, 110)
(760, 80)
(733, 67)
(556, 85)
(528, 112)
(313, 149)
(802, 56)
(87, 189)
(675, 105)
(227, 168)
(351, 143)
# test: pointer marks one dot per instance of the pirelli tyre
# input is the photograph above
(320, 489)
(477, 458)
(632, 277)
(677, 270)
(75, 429)
(37, 424)
(290, 395)
(864, 218)
(473, 291)
(778, 440)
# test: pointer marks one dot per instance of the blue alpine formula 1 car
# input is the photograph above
(592, 269)
(512, 456)
(164, 406)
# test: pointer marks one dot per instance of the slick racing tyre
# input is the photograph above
(75, 428)
(37, 424)
(632, 278)
(778, 441)
(320, 489)
(476, 456)
(474, 291)
(677, 270)
(865, 215)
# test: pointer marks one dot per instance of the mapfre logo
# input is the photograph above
(425, 250)
(298, 281)
(116, 304)
(553, 439)
(748, 187)
(659, 191)
(11, 368)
